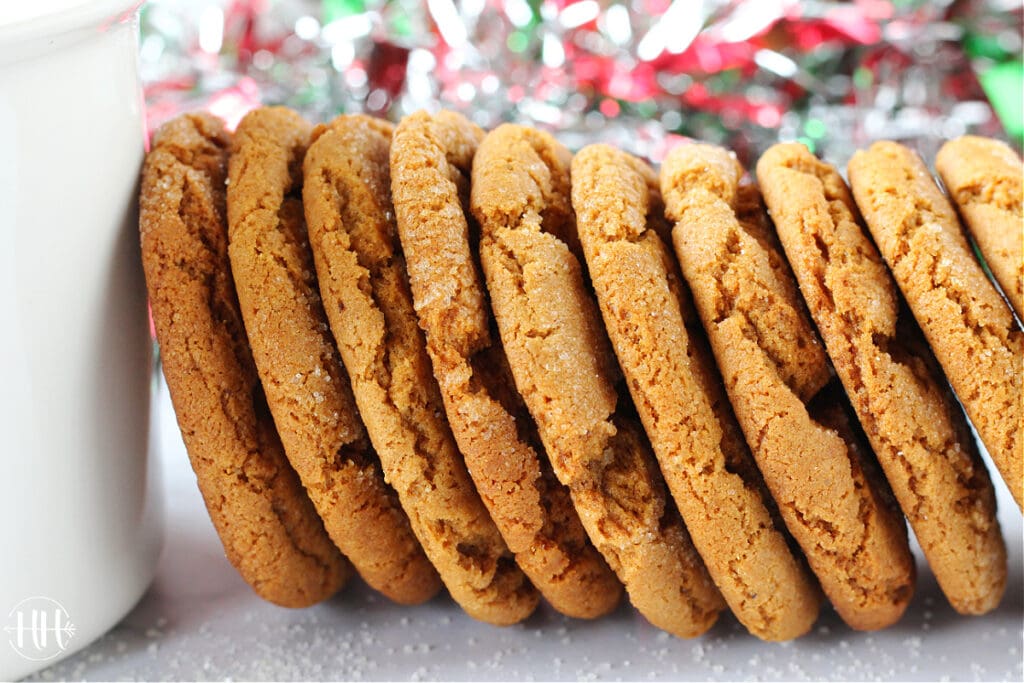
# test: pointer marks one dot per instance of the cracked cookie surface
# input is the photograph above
(363, 279)
(565, 371)
(306, 387)
(431, 167)
(779, 381)
(267, 524)
(675, 386)
(897, 389)
(966, 322)
(983, 178)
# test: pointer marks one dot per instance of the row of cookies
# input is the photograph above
(427, 349)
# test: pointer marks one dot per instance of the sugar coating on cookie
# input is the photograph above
(778, 379)
(267, 524)
(966, 322)
(565, 371)
(984, 179)
(911, 419)
(675, 386)
(363, 281)
(306, 387)
(430, 162)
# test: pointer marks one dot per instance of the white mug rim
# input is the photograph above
(56, 21)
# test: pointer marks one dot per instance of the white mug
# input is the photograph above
(79, 518)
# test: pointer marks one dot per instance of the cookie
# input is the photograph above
(780, 384)
(675, 386)
(306, 387)
(430, 164)
(966, 322)
(363, 281)
(897, 389)
(565, 372)
(983, 177)
(268, 527)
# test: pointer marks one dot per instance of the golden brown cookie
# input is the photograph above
(363, 281)
(565, 372)
(966, 322)
(781, 387)
(983, 177)
(306, 387)
(675, 385)
(269, 529)
(911, 418)
(430, 165)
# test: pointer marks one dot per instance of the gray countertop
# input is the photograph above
(200, 621)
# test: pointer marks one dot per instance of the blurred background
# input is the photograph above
(642, 74)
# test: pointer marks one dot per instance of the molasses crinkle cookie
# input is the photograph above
(679, 395)
(825, 481)
(966, 322)
(306, 387)
(908, 413)
(983, 177)
(269, 528)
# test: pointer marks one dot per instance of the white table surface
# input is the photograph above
(200, 621)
